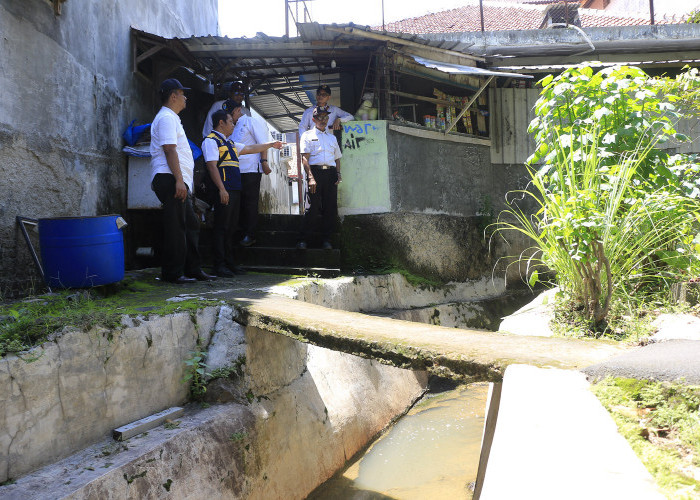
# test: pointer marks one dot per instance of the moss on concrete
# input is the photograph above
(30, 322)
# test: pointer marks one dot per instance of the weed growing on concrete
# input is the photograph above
(238, 436)
(232, 371)
(661, 422)
(196, 374)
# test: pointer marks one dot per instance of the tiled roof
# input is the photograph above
(502, 15)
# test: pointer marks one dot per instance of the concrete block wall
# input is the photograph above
(67, 94)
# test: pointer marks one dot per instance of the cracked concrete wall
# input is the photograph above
(66, 394)
(67, 94)
(311, 409)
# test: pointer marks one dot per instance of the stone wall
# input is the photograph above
(67, 94)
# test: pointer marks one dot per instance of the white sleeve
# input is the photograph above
(304, 144)
(260, 131)
(343, 115)
(206, 130)
(239, 146)
(306, 121)
(167, 130)
(210, 150)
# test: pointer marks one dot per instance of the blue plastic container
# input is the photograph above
(81, 252)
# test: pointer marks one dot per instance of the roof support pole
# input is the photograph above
(651, 11)
(481, 11)
(471, 101)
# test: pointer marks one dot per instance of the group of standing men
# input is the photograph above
(232, 147)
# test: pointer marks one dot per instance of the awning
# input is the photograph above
(467, 70)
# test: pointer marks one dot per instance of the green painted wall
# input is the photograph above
(365, 169)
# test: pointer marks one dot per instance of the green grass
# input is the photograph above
(660, 420)
(30, 322)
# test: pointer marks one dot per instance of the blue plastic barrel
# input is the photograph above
(80, 252)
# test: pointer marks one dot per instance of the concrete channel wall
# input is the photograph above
(292, 419)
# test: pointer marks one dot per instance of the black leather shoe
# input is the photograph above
(223, 272)
(327, 245)
(202, 276)
(301, 245)
(181, 280)
(247, 241)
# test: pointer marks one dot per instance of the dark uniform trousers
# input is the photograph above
(250, 194)
(180, 252)
(225, 223)
(324, 201)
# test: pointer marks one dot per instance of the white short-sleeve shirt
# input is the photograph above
(250, 131)
(167, 129)
(323, 148)
(210, 149)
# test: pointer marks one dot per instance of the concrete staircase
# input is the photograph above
(275, 249)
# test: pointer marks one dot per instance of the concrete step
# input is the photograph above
(553, 440)
(287, 257)
(289, 239)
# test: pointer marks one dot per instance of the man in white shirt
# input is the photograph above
(320, 155)
(336, 116)
(232, 90)
(223, 156)
(171, 179)
(250, 131)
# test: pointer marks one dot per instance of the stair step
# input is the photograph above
(279, 222)
(288, 239)
(292, 257)
(322, 272)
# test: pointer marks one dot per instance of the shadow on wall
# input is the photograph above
(438, 247)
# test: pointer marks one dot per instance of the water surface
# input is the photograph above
(432, 452)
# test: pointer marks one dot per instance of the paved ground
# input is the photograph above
(469, 354)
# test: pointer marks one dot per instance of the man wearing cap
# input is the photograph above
(232, 90)
(171, 179)
(320, 155)
(222, 157)
(336, 116)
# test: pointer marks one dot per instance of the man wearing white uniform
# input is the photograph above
(336, 116)
(250, 131)
(171, 179)
(320, 155)
(234, 91)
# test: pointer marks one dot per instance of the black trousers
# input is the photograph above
(324, 201)
(250, 195)
(180, 252)
(225, 223)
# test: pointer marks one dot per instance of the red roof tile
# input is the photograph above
(502, 15)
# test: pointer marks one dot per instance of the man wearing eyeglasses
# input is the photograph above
(232, 90)
(336, 116)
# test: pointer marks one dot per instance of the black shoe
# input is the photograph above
(181, 280)
(301, 245)
(223, 272)
(202, 276)
(247, 241)
(327, 245)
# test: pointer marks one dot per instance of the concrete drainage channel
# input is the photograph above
(291, 417)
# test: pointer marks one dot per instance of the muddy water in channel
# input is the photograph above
(432, 452)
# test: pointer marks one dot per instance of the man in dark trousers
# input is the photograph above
(171, 173)
(222, 157)
(320, 156)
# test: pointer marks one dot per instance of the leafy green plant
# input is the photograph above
(614, 214)
(196, 374)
